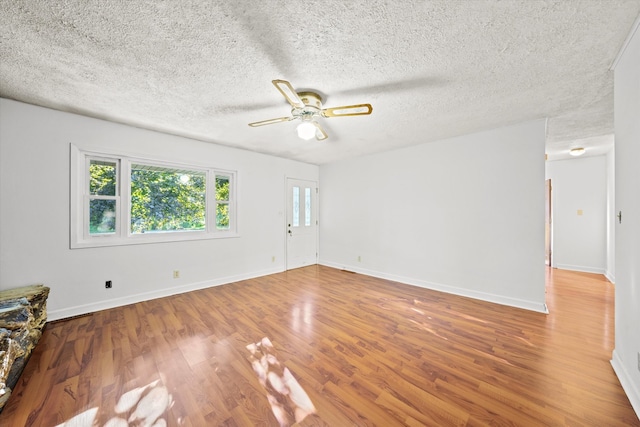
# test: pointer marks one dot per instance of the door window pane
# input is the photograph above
(296, 206)
(307, 207)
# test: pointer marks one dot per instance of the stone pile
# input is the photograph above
(23, 314)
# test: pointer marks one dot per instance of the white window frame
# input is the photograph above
(87, 197)
(79, 202)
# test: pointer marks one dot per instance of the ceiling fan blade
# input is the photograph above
(348, 110)
(271, 121)
(320, 133)
(288, 92)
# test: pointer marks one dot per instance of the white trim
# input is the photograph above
(629, 386)
(75, 192)
(483, 296)
(581, 268)
(147, 296)
(634, 28)
(610, 277)
(125, 194)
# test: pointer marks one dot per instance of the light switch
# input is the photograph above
(579, 212)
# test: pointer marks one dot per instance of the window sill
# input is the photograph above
(149, 238)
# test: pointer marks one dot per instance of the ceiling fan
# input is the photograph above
(307, 107)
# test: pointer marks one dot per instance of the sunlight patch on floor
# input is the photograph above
(141, 406)
(289, 402)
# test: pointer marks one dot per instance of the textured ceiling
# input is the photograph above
(431, 69)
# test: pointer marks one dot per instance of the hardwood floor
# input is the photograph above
(365, 351)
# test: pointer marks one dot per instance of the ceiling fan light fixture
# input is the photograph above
(306, 107)
(306, 130)
(578, 151)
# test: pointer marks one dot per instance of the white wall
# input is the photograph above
(463, 215)
(626, 356)
(579, 241)
(34, 214)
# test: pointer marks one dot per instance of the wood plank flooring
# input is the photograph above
(365, 351)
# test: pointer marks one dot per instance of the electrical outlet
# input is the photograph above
(176, 274)
(273, 258)
(107, 284)
(359, 258)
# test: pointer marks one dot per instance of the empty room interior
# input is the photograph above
(320, 213)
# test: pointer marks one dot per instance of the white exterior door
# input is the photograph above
(302, 223)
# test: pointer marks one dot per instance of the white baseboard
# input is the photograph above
(581, 268)
(629, 386)
(483, 296)
(610, 277)
(146, 296)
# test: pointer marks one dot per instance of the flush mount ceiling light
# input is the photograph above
(578, 151)
(307, 107)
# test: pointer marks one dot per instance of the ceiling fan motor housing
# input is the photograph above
(312, 106)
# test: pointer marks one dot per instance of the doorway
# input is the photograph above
(302, 223)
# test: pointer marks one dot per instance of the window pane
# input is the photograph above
(222, 188)
(165, 199)
(222, 216)
(102, 216)
(102, 178)
(307, 207)
(296, 206)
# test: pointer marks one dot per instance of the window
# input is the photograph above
(103, 195)
(296, 205)
(165, 199)
(119, 200)
(222, 202)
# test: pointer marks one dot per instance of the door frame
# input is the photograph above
(548, 226)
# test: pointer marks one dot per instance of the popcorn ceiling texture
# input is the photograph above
(431, 69)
